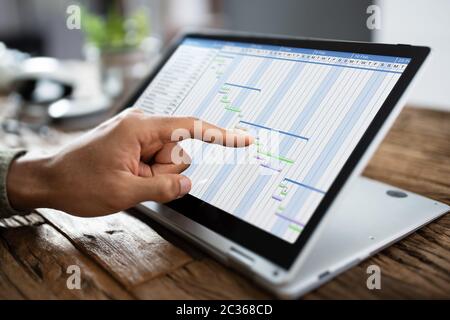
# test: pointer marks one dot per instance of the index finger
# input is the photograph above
(180, 128)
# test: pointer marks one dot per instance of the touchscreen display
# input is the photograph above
(307, 110)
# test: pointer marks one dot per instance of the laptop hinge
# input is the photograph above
(240, 260)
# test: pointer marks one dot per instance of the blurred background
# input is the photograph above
(98, 63)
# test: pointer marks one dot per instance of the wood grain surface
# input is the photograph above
(128, 256)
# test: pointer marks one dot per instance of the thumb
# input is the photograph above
(161, 188)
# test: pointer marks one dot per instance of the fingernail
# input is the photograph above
(185, 185)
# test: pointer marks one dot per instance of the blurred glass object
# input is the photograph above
(119, 42)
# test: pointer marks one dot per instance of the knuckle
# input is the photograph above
(129, 119)
(170, 189)
(136, 110)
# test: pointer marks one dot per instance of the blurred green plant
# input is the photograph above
(115, 31)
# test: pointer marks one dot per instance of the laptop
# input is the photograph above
(289, 211)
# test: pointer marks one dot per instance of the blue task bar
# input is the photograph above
(271, 129)
(241, 86)
(304, 185)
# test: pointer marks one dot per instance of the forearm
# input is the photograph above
(28, 183)
(6, 158)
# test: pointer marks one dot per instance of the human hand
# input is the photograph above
(122, 162)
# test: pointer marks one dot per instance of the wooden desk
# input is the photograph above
(127, 256)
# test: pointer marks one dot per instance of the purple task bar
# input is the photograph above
(269, 167)
(277, 198)
(289, 219)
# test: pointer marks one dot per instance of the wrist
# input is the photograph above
(27, 183)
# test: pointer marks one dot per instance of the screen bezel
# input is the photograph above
(277, 250)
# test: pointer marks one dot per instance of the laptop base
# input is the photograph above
(369, 217)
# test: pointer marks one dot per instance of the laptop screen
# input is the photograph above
(306, 108)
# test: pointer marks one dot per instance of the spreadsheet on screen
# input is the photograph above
(319, 103)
